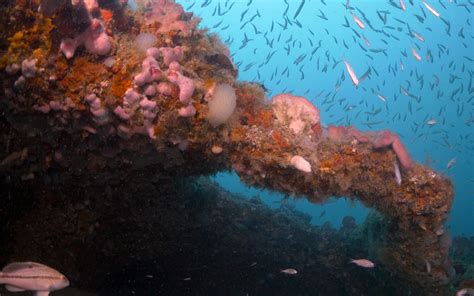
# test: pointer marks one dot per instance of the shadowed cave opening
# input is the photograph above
(333, 210)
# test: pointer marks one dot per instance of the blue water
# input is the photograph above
(450, 104)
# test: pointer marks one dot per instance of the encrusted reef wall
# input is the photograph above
(147, 93)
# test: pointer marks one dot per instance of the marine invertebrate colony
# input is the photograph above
(177, 106)
(296, 112)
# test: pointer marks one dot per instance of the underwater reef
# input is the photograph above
(96, 96)
(190, 237)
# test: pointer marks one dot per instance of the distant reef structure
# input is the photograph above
(93, 91)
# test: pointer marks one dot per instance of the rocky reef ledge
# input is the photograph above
(189, 236)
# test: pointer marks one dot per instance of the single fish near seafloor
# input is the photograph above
(32, 276)
(289, 271)
(465, 292)
(363, 263)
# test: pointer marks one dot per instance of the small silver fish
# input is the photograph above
(431, 9)
(382, 98)
(352, 74)
(428, 266)
(398, 175)
(289, 271)
(451, 163)
(402, 5)
(32, 276)
(363, 263)
(418, 36)
(358, 21)
(416, 54)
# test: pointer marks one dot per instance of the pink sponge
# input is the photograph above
(165, 88)
(186, 86)
(336, 133)
(150, 72)
(124, 114)
(131, 97)
(171, 16)
(28, 68)
(402, 153)
(150, 90)
(94, 39)
(174, 67)
(382, 139)
(68, 46)
(153, 52)
(355, 133)
(147, 104)
(171, 54)
(188, 111)
(99, 112)
(386, 138)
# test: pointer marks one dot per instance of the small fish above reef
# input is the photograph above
(32, 276)
(451, 163)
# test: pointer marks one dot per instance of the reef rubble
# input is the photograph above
(107, 107)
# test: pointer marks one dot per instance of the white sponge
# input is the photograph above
(221, 104)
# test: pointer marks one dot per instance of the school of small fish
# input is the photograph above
(415, 57)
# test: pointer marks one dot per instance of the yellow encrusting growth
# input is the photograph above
(29, 43)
